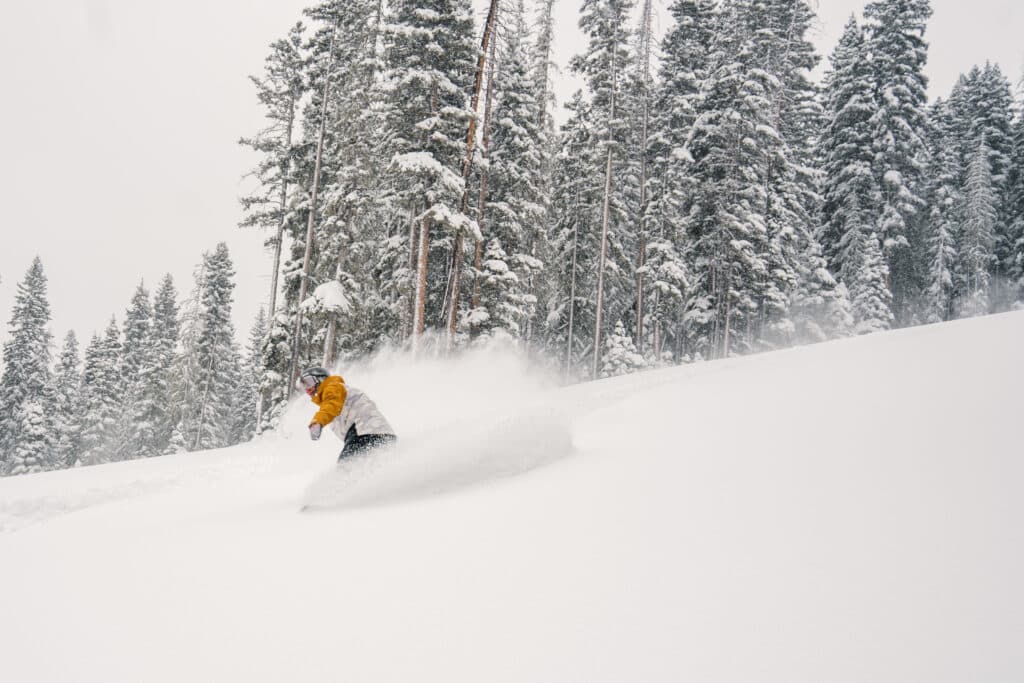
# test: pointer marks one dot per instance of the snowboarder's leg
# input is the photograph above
(356, 443)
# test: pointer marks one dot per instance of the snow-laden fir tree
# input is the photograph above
(354, 216)
(67, 403)
(867, 273)
(620, 356)
(430, 57)
(515, 198)
(684, 63)
(211, 408)
(1015, 211)
(728, 222)
(275, 355)
(898, 53)
(34, 441)
(102, 394)
(574, 217)
(943, 204)
(157, 389)
(26, 357)
(850, 190)
(503, 303)
(979, 214)
(280, 90)
(137, 369)
(607, 68)
(983, 109)
(799, 300)
(249, 386)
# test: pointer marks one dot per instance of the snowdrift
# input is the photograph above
(844, 512)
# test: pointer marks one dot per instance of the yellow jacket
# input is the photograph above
(330, 396)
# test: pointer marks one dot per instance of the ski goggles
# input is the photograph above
(308, 382)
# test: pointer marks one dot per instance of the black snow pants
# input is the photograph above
(356, 443)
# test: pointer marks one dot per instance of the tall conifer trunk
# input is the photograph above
(307, 256)
(467, 165)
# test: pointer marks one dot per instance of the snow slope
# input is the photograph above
(843, 512)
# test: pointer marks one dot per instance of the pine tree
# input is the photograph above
(101, 398)
(607, 67)
(515, 201)
(865, 269)
(137, 372)
(211, 406)
(26, 357)
(275, 354)
(898, 54)
(684, 65)
(157, 388)
(280, 91)
(943, 198)
(728, 222)
(850, 190)
(249, 389)
(67, 403)
(574, 221)
(620, 355)
(502, 309)
(430, 64)
(34, 449)
(978, 233)
(1015, 211)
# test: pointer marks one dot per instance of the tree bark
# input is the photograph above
(645, 40)
(307, 257)
(599, 316)
(421, 285)
(467, 165)
(482, 199)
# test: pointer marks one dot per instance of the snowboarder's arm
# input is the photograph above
(331, 403)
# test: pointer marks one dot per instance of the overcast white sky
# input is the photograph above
(121, 117)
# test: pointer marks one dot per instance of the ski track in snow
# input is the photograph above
(458, 457)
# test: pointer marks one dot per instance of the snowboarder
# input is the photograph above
(353, 416)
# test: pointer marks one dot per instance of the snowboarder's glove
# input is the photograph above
(314, 431)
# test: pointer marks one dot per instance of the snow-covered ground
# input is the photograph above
(845, 512)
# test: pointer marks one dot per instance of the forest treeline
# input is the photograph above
(703, 198)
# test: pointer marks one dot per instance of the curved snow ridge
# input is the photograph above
(455, 458)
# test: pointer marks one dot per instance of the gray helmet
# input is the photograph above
(311, 377)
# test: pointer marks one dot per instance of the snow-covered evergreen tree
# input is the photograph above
(685, 53)
(866, 271)
(249, 389)
(275, 355)
(898, 53)
(67, 403)
(850, 189)
(607, 68)
(980, 213)
(515, 200)
(430, 66)
(280, 91)
(943, 197)
(503, 305)
(1015, 211)
(574, 219)
(102, 396)
(157, 388)
(620, 356)
(26, 357)
(33, 448)
(211, 407)
(137, 370)
(732, 246)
